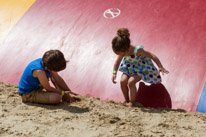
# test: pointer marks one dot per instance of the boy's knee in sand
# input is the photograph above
(55, 98)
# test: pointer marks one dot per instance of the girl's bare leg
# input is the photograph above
(124, 87)
(132, 87)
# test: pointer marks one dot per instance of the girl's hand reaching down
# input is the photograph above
(114, 79)
(163, 70)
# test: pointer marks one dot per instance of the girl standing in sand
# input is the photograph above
(136, 65)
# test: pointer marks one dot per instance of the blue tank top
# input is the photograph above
(29, 83)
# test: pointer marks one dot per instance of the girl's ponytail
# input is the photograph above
(123, 33)
(121, 42)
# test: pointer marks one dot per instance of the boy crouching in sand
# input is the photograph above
(36, 76)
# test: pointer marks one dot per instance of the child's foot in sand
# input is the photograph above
(128, 104)
(70, 97)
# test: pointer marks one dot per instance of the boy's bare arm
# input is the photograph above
(59, 81)
(41, 75)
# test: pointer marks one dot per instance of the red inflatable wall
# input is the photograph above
(173, 30)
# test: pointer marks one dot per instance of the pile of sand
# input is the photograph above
(92, 117)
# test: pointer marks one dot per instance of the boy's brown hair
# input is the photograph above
(54, 60)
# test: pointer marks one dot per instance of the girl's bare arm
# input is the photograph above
(142, 52)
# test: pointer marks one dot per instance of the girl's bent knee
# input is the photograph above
(123, 82)
(131, 83)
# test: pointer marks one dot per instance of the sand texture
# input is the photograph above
(92, 117)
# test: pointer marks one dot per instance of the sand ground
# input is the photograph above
(92, 117)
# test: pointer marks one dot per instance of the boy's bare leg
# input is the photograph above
(124, 87)
(54, 98)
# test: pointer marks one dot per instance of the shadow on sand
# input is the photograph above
(64, 105)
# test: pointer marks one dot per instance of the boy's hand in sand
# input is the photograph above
(70, 97)
(70, 92)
